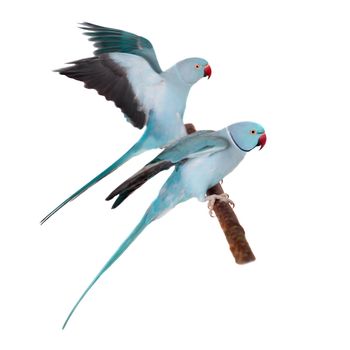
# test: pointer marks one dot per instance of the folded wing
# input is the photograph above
(195, 145)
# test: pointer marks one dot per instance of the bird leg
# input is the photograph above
(214, 197)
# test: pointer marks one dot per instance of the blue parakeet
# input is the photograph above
(125, 70)
(201, 160)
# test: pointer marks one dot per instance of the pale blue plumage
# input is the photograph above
(125, 70)
(201, 160)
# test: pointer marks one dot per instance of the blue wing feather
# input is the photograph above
(108, 40)
(198, 143)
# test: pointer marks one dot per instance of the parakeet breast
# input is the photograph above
(199, 174)
(166, 120)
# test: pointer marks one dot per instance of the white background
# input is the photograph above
(285, 64)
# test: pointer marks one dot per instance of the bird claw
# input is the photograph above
(214, 197)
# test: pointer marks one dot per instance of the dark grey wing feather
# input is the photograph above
(134, 182)
(110, 80)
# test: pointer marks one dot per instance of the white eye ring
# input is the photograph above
(253, 132)
(197, 66)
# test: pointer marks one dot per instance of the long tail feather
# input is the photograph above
(168, 197)
(133, 151)
(138, 229)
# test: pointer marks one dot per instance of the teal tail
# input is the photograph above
(169, 196)
(147, 218)
(133, 151)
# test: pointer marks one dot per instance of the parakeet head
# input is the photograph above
(193, 69)
(247, 135)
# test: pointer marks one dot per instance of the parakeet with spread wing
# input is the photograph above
(201, 160)
(125, 70)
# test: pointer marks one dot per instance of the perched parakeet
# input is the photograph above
(126, 71)
(201, 160)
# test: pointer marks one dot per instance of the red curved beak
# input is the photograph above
(207, 71)
(262, 141)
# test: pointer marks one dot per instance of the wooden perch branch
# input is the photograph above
(229, 223)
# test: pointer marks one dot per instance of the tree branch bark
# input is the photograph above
(234, 232)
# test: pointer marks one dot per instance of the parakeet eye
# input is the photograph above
(197, 66)
(253, 132)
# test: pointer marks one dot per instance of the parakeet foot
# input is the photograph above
(214, 197)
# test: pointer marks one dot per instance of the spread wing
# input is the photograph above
(126, 79)
(191, 146)
(108, 40)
